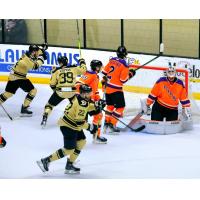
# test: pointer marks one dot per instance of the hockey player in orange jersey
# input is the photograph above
(165, 96)
(116, 73)
(91, 78)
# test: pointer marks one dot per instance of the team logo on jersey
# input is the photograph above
(83, 103)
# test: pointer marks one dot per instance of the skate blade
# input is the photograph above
(71, 172)
(43, 126)
(26, 115)
(112, 133)
(99, 142)
(40, 165)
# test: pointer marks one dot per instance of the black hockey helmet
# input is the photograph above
(121, 52)
(95, 63)
(33, 47)
(63, 60)
(85, 89)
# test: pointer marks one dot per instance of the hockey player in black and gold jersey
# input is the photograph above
(62, 82)
(32, 59)
(71, 125)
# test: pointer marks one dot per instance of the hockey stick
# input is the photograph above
(79, 39)
(161, 52)
(102, 123)
(132, 129)
(6, 112)
(42, 31)
(134, 120)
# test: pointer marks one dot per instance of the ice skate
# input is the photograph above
(112, 129)
(100, 140)
(71, 169)
(43, 164)
(25, 112)
(44, 120)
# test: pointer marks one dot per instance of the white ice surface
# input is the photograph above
(128, 155)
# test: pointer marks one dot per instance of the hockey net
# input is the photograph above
(140, 86)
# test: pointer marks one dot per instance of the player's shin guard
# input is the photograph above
(60, 153)
(4, 96)
(29, 97)
(80, 144)
(117, 114)
(48, 108)
(109, 111)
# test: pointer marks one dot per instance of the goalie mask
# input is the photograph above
(62, 60)
(96, 65)
(171, 72)
(122, 52)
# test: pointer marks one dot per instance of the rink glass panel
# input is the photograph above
(64, 32)
(34, 31)
(103, 33)
(142, 35)
(181, 37)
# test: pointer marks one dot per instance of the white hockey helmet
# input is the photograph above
(171, 72)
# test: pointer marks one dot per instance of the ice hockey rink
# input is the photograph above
(129, 155)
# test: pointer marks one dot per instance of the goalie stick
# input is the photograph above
(127, 125)
(134, 120)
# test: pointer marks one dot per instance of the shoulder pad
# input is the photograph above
(70, 66)
(54, 69)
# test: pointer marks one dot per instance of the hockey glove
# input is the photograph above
(2, 142)
(92, 128)
(81, 61)
(99, 105)
(44, 54)
(44, 46)
(132, 73)
(53, 87)
(104, 81)
(186, 113)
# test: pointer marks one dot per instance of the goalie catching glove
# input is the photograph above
(92, 128)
